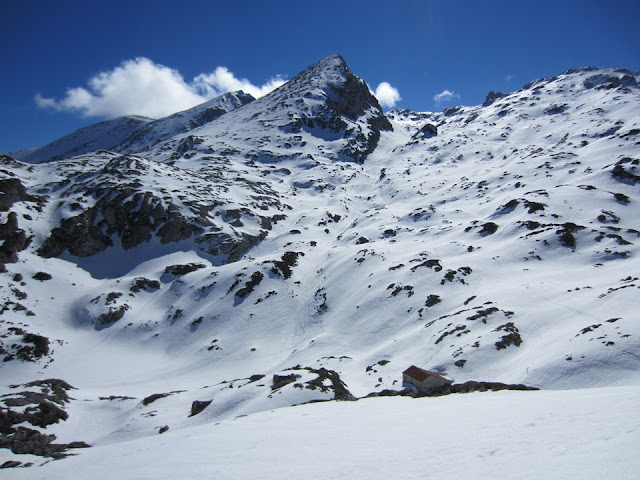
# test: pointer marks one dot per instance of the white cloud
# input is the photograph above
(221, 80)
(142, 87)
(446, 96)
(387, 95)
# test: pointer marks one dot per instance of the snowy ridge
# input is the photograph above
(304, 246)
(164, 128)
(324, 113)
(99, 136)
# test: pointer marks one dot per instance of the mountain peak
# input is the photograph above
(330, 72)
(329, 96)
(333, 59)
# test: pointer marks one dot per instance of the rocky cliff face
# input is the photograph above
(122, 201)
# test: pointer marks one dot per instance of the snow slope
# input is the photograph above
(99, 136)
(306, 246)
(528, 435)
(162, 129)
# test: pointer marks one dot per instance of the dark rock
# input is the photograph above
(198, 406)
(45, 414)
(152, 398)
(280, 381)
(15, 239)
(488, 228)
(565, 234)
(40, 347)
(320, 298)
(285, 265)
(112, 297)
(337, 385)
(427, 131)
(234, 246)
(163, 429)
(533, 207)
(42, 276)
(131, 215)
(508, 207)
(531, 225)
(77, 445)
(608, 81)
(54, 388)
(484, 313)
(431, 263)
(459, 328)
(474, 386)
(117, 397)
(76, 234)
(622, 175)
(179, 270)
(252, 283)
(12, 191)
(512, 338)
(41, 409)
(621, 198)
(556, 109)
(156, 396)
(447, 112)
(631, 133)
(392, 393)
(432, 300)
(113, 315)
(492, 97)
(142, 283)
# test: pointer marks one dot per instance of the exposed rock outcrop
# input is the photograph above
(43, 408)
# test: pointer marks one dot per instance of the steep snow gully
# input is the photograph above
(170, 276)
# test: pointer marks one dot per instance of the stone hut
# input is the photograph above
(423, 381)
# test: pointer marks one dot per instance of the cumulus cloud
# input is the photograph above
(221, 80)
(142, 87)
(387, 95)
(446, 96)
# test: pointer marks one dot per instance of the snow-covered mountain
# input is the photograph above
(247, 255)
(154, 132)
(132, 134)
(99, 136)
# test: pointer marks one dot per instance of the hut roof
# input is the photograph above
(421, 374)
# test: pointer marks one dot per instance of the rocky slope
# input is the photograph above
(306, 246)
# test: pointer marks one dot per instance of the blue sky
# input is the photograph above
(420, 48)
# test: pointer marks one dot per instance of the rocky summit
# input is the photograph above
(249, 254)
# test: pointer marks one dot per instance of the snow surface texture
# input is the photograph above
(526, 435)
(305, 246)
